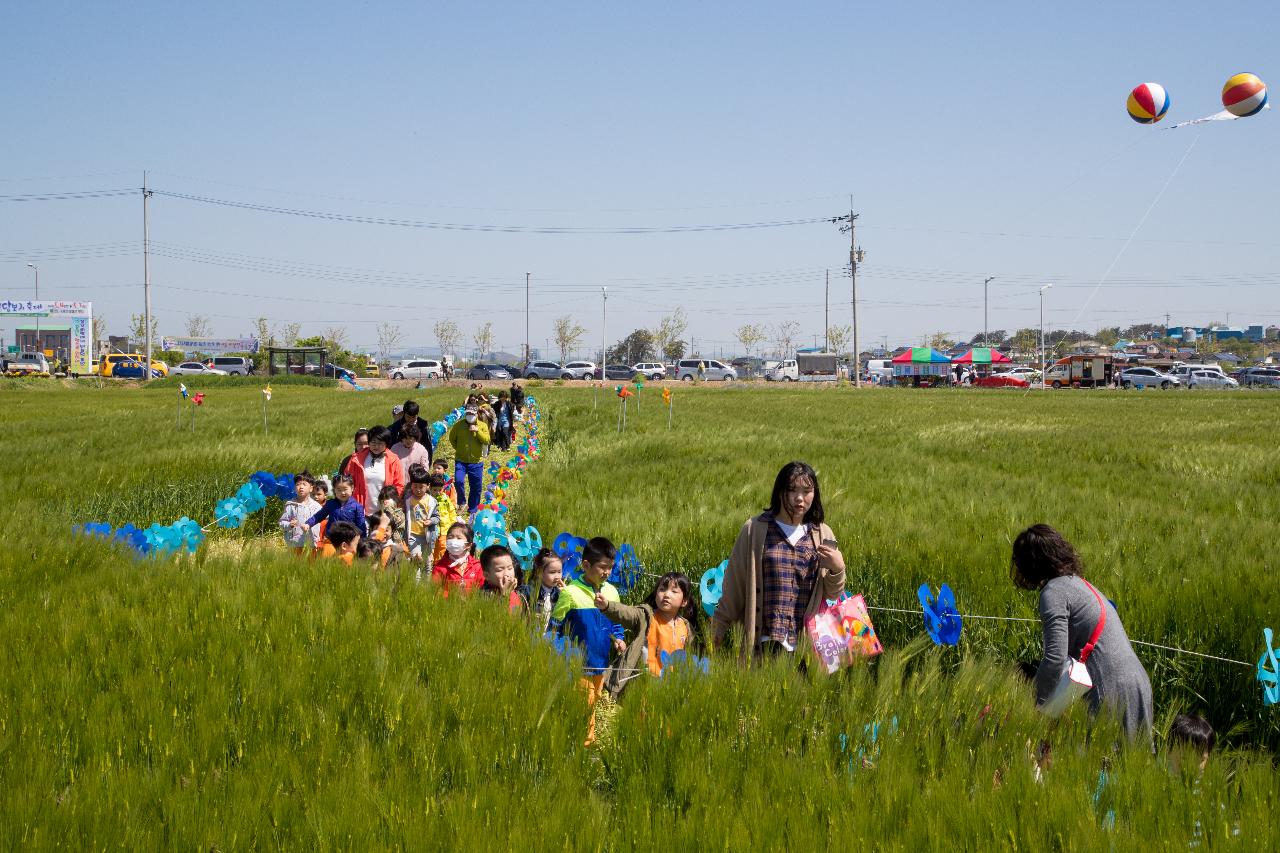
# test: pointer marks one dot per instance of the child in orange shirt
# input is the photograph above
(659, 628)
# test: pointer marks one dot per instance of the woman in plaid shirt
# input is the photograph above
(784, 565)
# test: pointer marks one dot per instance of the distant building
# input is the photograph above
(52, 336)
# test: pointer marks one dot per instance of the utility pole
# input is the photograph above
(986, 341)
(826, 316)
(146, 278)
(604, 332)
(526, 317)
(855, 257)
(1043, 367)
(36, 270)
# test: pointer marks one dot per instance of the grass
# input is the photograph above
(242, 699)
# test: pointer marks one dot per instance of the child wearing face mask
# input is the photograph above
(469, 437)
(459, 567)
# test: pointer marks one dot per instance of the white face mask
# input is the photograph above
(455, 547)
(471, 417)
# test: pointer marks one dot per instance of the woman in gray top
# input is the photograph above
(1043, 560)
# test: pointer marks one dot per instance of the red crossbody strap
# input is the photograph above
(1097, 629)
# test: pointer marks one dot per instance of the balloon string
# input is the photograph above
(1136, 229)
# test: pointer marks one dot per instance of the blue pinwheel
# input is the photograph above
(231, 513)
(711, 585)
(626, 568)
(569, 549)
(490, 529)
(680, 659)
(525, 544)
(941, 619)
(192, 537)
(252, 498)
(1269, 671)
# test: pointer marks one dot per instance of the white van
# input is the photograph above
(882, 367)
(233, 364)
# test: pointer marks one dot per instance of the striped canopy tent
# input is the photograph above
(983, 355)
(921, 362)
(921, 355)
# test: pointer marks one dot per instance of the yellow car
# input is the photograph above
(371, 369)
(107, 363)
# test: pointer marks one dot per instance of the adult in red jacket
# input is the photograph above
(373, 468)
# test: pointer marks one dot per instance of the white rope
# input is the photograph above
(1024, 619)
(1197, 654)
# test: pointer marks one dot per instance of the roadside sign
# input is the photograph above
(13, 348)
(48, 353)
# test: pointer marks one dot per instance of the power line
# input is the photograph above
(67, 196)
(486, 228)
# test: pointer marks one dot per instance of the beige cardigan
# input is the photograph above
(742, 592)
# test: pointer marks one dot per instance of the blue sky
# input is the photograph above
(974, 141)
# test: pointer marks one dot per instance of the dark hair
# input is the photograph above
(467, 531)
(597, 549)
(380, 433)
(321, 483)
(388, 491)
(1194, 731)
(418, 474)
(359, 432)
(789, 473)
(366, 549)
(410, 408)
(540, 560)
(443, 463)
(502, 395)
(440, 480)
(411, 431)
(1041, 554)
(340, 533)
(304, 476)
(687, 610)
(343, 480)
(493, 552)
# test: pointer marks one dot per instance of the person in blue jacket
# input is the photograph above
(577, 618)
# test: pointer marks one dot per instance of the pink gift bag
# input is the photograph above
(841, 631)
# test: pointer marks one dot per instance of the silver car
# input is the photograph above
(1209, 378)
(542, 370)
(578, 370)
(652, 369)
(1260, 377)
(689, 369)
(1147, 377)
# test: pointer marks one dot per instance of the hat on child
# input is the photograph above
(397, 410)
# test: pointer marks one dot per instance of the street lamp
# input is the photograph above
(39, 348)
(1042, 364)
(985, 340)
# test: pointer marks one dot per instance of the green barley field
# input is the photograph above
(240, 699)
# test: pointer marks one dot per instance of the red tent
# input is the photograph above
(983, 355)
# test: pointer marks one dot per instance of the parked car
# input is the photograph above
(578, 370)
(418, 368)
(1002, 380)
(1147, 377)
(616, 371)
(687, 370)
(1209, 378)
(132, 370)
(196, 368)
(1022, 371)
(650, 370)
(488, 371)
(542, 370)
(236, 364)
(107, 363)
(1260, 377)
(512, 371)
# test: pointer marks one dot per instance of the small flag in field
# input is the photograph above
(198, 398)
(266, 392)
(666, 396)
(182, 386)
